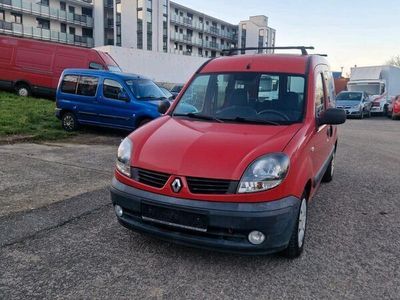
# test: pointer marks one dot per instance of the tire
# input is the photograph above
(328, 176)
(296, 242)
(361, 115)
(69, 122)
(369, 114)
(23, 90)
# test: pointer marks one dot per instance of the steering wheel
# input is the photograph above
(276, 112)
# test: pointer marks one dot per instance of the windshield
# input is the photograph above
(372, 88)
(114, 68)
(145, 89)
(244, 97)
(349, 96)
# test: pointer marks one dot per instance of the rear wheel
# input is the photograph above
(23, 90)
(69, 122)
(296, 242)
(362, 114)
(328, 176)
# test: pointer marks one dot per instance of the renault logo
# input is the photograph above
(176, 185)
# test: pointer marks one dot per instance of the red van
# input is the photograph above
(235, 161)
(34, 67)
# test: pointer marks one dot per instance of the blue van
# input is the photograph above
(103, 98)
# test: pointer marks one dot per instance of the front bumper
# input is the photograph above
(228, 224)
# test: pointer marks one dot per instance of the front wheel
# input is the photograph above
(23, 90)
(69, 122)
(296, 243)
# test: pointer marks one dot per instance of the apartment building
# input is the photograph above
(153, 25)
(166, 26)
(68, 21)
(256, 33)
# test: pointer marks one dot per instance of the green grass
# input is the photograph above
(31, 117)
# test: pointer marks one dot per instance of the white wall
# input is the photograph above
(158, 66)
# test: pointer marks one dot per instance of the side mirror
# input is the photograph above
(163, 106)
(332, 116)
(123, 96)
(173, 97)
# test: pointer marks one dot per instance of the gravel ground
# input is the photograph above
(352, 244)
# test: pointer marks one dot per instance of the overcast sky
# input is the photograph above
(351, 32)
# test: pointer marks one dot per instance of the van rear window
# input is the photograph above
(69, 83)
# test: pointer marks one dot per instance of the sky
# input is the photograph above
(351, 32)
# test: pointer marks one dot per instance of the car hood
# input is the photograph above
(346, 103)
(205, 149)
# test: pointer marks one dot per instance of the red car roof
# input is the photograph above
(276, 63)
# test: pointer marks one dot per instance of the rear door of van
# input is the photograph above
(78, 93)
(116, 107)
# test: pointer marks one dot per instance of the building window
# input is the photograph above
(42, 23)
(63, 6)
(87, 11)
(44, 2)
(243, 40)
(200, 51)
(180, 47)
(140, 26)
(165, 26)
(63, 28)
(71, 9)
(17, 18)
(2, 16)
(260, 40)
(72, 30)
(149, 20)
(88, 32)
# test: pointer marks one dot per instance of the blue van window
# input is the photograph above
(69, 83)
(87, 86)
(112, 89)
(145, 89)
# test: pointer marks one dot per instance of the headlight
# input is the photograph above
(124, 157)
(264, 173)
(357, 106)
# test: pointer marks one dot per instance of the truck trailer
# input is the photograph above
(382, 83)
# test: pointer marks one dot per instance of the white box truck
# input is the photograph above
(382, 83)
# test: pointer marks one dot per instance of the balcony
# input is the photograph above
(46, 11)
(186, 22)
(189, 39)
(45, 34)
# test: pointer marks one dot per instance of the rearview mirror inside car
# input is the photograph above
(332, 116)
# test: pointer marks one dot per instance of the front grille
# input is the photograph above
(211, 186)
(152, 178)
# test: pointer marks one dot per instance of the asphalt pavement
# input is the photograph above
(73, 247)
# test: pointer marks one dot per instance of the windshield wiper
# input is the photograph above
(252, 121)
(153, 97)
(199, 116)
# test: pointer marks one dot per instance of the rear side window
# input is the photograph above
(95, 66)
(319, 95)
(87, 86)
(69, 84)
(112, 89)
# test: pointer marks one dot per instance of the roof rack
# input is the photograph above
(234, 51)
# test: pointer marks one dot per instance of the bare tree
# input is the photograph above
(394, 61)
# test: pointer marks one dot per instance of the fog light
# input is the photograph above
(118, 210)
(256, 237)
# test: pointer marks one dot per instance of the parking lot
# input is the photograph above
(59, 237)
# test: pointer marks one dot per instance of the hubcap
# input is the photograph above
(23, 92)
(302, 222)
(333, 163)
(68, 122)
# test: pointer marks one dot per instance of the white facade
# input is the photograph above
(67, 21)
(256, 33)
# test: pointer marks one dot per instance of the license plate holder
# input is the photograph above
(173, 217)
